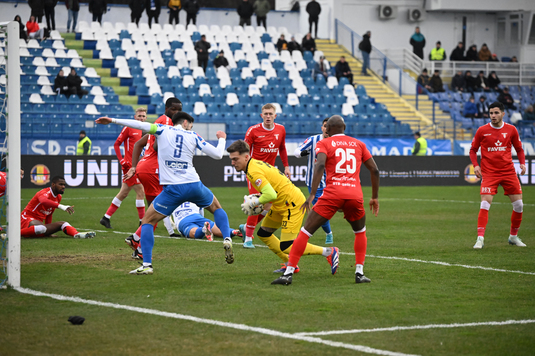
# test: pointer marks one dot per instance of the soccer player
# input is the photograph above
(129, 137)
(308, 148)
(176, 147)
(41, 207)
(284, 213)
(265, 140)
(497, 168)
(341, 157)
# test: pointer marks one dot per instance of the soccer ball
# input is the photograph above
(248, 207)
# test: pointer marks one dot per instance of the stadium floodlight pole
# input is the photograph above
(13, 153)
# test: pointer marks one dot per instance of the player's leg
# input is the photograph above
(115, 204)
(140, 200)
(489, 188)
(355, 214)
(248, 229)
(265, 233)
(327, 226)
(514, 191)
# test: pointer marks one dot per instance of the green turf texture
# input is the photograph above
(192, 278)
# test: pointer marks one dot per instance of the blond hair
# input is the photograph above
(141, 109)
(269, 106)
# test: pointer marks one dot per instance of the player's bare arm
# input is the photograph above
(522, 169)
(477, 171)
(103, 120)
(374, 173)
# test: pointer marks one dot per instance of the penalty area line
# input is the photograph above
(243, 327)
(419, 327)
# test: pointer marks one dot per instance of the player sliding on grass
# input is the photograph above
(41, 208)
(497, 168)
(176, 148)
(286, 199)
(341, 156)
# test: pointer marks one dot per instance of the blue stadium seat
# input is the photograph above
(265, 38)
(308, 56)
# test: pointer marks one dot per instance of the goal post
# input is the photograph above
(11, 151)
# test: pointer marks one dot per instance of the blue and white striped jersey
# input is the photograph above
(310, 146)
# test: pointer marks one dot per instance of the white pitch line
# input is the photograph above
(419, 327)
(447, 201)
(243, 327)
(447, 264)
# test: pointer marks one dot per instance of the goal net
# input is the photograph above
(10, 148)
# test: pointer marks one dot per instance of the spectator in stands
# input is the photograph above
(493, 81)
(174, 8)
(506, 99)
(457, 82)
(261, 9)
(438, 53)
(61, 85)
(436, 82)
(75, 84)
(423, 80)
(470, 82)
(529, 115)
(514, 59)
(494, 58)
(192, 8)
(293, 45)
(484, 53)
(245, 11)
(342, 70)
(365, 47)
(98, 8)
(282, 44)
(482, 108)
(153, 11)
(220, 60)
(33, 29)
(471, 54)
(313, 10)
(137, 7)
(322, 67)
(470, 108)
(202, 48)
(418, 43)
(50, 14)
(481, 82)
(22, 29)
(458, 53)
(308, 43)
(37, 7)
(73, 7)
(84, 145)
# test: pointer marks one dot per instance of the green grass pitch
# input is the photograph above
(416, 228)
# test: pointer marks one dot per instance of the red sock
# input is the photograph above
(298, 248)
(482, 220)
(141, 212)
(260, 217)
(112, 209)
(251, 225)
(359, 246)
(516, 220)
(69, 230)
(28, 232)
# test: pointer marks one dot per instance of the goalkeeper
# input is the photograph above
(286, 199)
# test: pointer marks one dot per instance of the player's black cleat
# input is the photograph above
(360, 278)
(285, 280)
(174, 234)
(105, 222)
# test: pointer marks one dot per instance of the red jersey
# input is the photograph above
(42, 205)
(129, 136)
(266, 144)
(149, 162)
(344, 158)
(495, 146)
(2, 183)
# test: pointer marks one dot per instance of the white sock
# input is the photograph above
(168, 225)
(247, 239)
(289, 270)
(136, 238)
(146, 264)
(360, 269)
(326, 252)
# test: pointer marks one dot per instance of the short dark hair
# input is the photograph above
(325, 120)
(82, 132)
(239, 146)
(498, 105)
(180, 117)
(417, 133)
(169, 102)
(56, 179)
(438, 42)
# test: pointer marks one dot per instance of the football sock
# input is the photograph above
(360, 269)
(327, 227)
(199, 234)
(483, 218)
(68, 229)
(33, 231)
(137, 234)
(274, 245)
(147, 242)
(250, 225)
(248, 239)
(516, 220)
(140, 206)
(221, 220)
(115, 204)
(359, 246)
(168, 225)
(298, 248)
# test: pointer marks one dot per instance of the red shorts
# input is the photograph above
(25, 221)
(328, 206)
(510, 183)
(151, 183)
(252, 190)
(132, 181)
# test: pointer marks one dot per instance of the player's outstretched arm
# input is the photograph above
(374, 173)
(138, 125)
(215, 152)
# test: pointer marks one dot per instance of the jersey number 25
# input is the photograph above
(347, 163)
